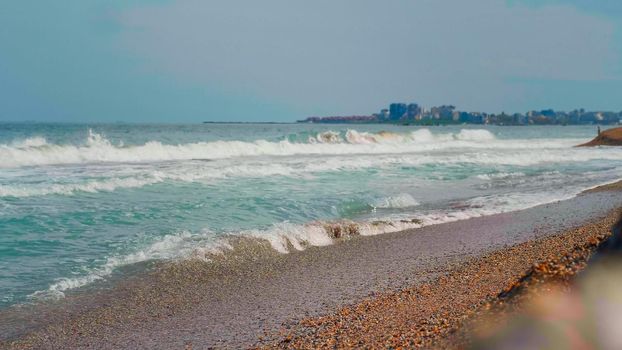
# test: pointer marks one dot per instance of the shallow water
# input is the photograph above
(77, 202)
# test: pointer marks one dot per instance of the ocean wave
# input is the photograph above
(205, 245)
(206, 172)
(107, 185)
(196, 173)
(98, 149)
(284, 236)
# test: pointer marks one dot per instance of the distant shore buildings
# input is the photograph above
(414, 114)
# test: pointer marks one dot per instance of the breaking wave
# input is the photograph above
(205, 245)
(29, 142)
(285, 236)
(108, 185)
(116, 177)
(98, 149)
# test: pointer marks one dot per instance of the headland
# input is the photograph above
(610, 137)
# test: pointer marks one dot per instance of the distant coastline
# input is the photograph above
(221, 122)
(414, 114)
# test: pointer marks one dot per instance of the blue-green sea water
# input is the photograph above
(79, 202)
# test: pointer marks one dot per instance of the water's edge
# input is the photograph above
(248, 292)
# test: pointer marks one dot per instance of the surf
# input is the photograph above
(96, 148)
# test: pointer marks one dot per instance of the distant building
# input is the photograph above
(464, 117)
(385, 114)
(588, 118)
(414, 112)
(443, 112)
(447, 114)
(548, 113)
(341, 119)
(476, 118)
(574, 117)
(520, 119)
(397, 111)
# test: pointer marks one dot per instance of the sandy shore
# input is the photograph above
(403, 288)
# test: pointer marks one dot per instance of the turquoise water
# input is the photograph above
(79, 202)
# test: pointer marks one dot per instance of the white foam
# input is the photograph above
(98, 149)
(475, 135)
(403, 200)
(356, 137)
(425, 135)
(30, 142)
(174, 246)
(299, 166)
(146, 177)
(107, 185)
(499, 176)
(329, 137)
(283, 234)
(476, 207)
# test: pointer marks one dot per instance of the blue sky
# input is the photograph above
(282, 60)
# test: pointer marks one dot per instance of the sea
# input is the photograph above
(80, 203)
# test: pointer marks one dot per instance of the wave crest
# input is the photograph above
(30, 142)
(285, 236)
(98, 149)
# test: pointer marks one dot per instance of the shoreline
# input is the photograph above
(480, 292)
(252, 298)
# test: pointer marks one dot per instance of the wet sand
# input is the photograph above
(258, 298)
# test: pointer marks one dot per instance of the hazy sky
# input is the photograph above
(282, 60)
